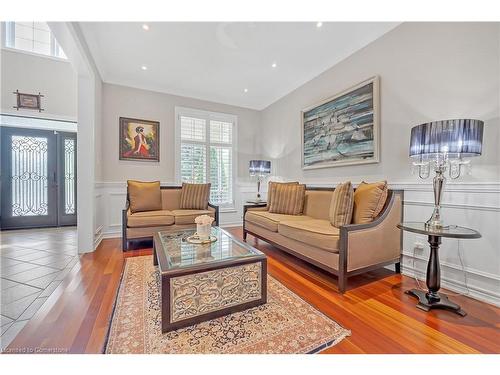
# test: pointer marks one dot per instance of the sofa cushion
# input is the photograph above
(144, 196)
(188, 216)
(369, 200)
(342, 204)
(288, 199)
(269, 220)
(271, 189)
(194, 196)
(150, 219)
(316, 232)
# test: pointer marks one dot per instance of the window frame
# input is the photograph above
(53, 41)
(207, 116)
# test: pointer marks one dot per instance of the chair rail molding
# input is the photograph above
(110, 199)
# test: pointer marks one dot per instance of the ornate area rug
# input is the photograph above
(286, 324)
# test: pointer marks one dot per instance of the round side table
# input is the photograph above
(432, 299)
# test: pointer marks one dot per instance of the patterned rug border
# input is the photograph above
(117, 294)
(320, 348)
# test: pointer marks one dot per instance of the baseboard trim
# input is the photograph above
(475, 292)
(455, 267)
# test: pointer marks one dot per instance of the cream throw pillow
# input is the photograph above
(288, 199)
(369, 200)
(341, 205)
(144, 196)
(194, 196)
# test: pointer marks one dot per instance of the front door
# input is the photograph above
(38, 178)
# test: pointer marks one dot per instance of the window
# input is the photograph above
(205, 151)
(34, 37)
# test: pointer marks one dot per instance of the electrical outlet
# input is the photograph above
(418, 246)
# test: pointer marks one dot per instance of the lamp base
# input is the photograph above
(435, 222)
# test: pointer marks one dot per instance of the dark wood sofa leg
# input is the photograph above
(397, 266)
(342, 283)
(244, 235)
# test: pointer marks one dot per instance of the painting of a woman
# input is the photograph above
(139, 139)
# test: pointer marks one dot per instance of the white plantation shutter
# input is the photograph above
(221, 168)
(207, 152)
(193, 129)
(194, 163)
(221, 131)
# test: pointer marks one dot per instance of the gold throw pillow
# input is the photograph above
(341, 205)
(194, 196)
(288, 199)
(271, 190)
(144, 196)
(369, 200)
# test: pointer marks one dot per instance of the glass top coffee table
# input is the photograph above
(203, 281)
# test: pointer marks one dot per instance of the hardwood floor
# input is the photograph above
(381, 317)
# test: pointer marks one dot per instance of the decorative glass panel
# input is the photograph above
(29, 176)
(69, 176)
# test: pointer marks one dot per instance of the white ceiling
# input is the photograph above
(216, 61)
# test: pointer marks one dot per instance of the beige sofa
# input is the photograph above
(142, 225)
(345, 251)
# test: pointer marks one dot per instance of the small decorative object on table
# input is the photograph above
(203, 233)
(259, 169)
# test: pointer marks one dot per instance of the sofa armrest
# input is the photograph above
(216, 209)
(374, 243)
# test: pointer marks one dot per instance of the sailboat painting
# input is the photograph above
(344, 129)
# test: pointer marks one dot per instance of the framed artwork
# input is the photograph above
(139, 139)
(343, 129)
(28, 101)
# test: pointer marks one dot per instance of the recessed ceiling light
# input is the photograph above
(274, 65)
(145, 27)
(319, 24)
(245, 90)
(144, 67)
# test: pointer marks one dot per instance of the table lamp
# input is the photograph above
(444, 145)
(259, 169)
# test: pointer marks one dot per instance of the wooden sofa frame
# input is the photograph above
(342, 272)
(125, 240)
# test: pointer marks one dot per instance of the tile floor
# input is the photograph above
(33, 263)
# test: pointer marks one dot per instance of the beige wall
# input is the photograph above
(427, 72)
(121, 101)
(55, 79)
